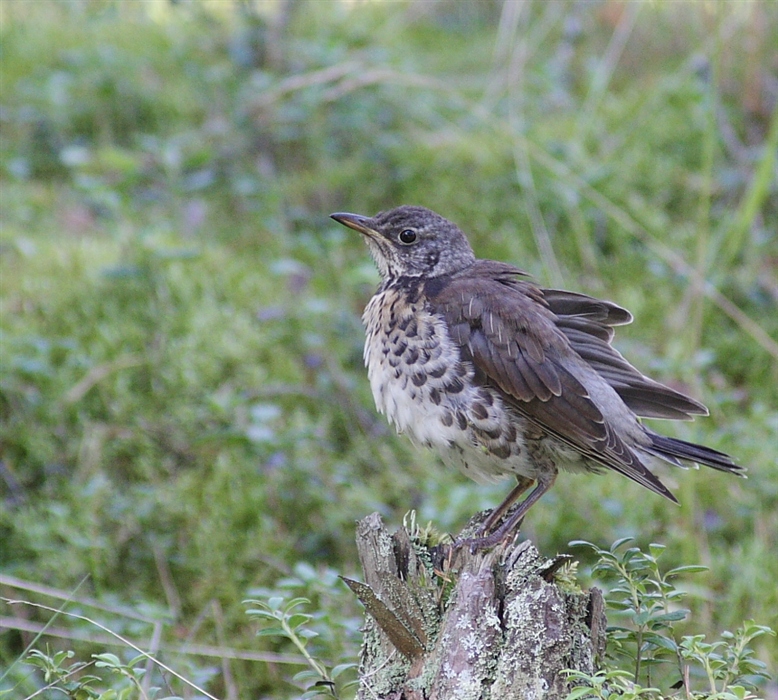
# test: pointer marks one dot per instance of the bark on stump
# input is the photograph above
(445, 624)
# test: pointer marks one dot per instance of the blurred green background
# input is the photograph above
(185, 419)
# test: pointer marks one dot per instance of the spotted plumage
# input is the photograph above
(503, 377)
(420, 381)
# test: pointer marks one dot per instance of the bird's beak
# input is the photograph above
(355, 221)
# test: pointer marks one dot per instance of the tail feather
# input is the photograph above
(672, 449)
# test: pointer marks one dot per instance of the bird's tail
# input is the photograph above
(671, 450)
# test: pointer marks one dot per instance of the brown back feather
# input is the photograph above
(505, 327)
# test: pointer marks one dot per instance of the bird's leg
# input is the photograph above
(545, 481)
(496, 515)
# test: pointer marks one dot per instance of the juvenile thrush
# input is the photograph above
(503, 377)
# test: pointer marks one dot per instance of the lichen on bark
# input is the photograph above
(445, 623)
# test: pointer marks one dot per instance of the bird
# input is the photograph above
(505, 378)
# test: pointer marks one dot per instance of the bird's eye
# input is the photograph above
(408, 236)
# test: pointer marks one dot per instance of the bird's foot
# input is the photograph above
(476, 544)
(486, 540)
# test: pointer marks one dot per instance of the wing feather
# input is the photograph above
(587, 323)
(511, 334)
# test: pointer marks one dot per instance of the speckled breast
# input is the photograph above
(425, 389)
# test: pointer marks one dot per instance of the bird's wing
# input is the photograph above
(588, 324)
(504, 327)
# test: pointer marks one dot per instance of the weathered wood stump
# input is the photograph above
(447, 624)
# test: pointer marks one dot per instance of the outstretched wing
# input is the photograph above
(588, 324)
(504, 327)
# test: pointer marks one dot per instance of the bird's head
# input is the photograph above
(412, 242)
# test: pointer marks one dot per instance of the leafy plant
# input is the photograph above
(289, 622)
(729, 664)
(648, 598)
(59, 673)
(71, 680)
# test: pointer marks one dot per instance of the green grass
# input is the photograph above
(184, 416)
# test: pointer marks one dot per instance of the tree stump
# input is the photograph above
(446, 624)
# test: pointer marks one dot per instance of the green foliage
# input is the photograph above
(184, 416)
(729, 664)
(57, 671)
(650, 649)
(288, 622)
(73, 683)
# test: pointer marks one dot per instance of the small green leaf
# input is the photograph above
(137, 659)
(306, 675)
(661, 641)
(255, 612)
(618, 543)
(641, 618)
(107, 660)
(688, 569)
(315, 693)
(298, 619)
(671, 616)
(340, 668)
(656, 549)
